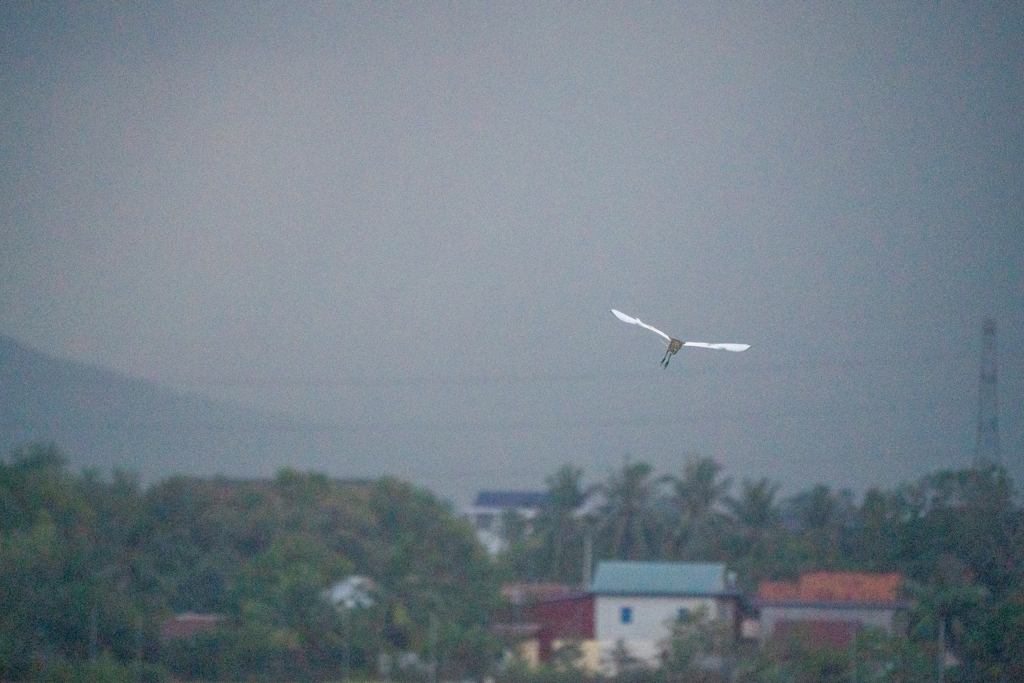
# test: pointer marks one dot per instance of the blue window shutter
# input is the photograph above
(626, 615)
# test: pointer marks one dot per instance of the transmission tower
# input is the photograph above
(987, 447)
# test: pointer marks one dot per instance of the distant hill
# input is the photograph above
(104, 420)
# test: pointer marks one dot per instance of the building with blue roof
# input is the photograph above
(637, 603)
(490, 507)
(660, 578)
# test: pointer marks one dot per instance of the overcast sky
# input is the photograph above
(409, 222)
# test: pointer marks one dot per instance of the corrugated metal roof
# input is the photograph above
(659, 578)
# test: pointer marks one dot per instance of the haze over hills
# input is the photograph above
(389, 239)
(103, 420)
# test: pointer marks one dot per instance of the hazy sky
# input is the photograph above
(408, 222)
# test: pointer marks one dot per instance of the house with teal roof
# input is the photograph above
(637, 603)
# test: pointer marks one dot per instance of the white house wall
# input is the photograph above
(651, 620)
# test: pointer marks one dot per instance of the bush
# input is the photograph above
(104, 669)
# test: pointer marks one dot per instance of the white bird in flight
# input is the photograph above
(674, 344)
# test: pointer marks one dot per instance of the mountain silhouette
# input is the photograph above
(103, 420)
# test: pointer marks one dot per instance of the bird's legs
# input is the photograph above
(673, 346)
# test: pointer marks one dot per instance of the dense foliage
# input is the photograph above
(92, 566)
(957, 538)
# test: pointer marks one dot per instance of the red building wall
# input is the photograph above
(817, 633)
(569, 617)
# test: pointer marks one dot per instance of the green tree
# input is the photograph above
(756, 533)
(559, 525)
(433, 569)
(697, 521)
(821, 516)
(697, 648)
(630, 525)
(994, 648)
(877, 535)
(755, 511)
(69, 591)
(523, 558)
(263, 553)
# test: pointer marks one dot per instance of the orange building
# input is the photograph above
(828, 607)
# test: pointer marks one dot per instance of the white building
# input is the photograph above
(637, 603)
(487, 512)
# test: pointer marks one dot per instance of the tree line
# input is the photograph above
(955, 536)
(92, 565)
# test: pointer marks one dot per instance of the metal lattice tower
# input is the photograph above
(987, 447)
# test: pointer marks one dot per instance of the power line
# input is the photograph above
(807, 363)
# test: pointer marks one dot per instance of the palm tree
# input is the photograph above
(627, 514)
(754, 511)
(756, 535)
(821, 516)
(945, 609)
(694, 500)
(559, 523)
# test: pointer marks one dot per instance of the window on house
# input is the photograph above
(684, 614)
(626, 615)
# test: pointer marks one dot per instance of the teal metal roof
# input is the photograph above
(659, 578)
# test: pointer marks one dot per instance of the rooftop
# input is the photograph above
(511, 499)
(520, 593)
(659, 578)
(833, 587)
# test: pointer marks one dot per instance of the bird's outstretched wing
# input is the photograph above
(704, 345)
(725, 347)
(636, 321)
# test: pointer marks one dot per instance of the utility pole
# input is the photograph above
(432, 646)
(987, 447)
(853, 653)
(588, 555)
